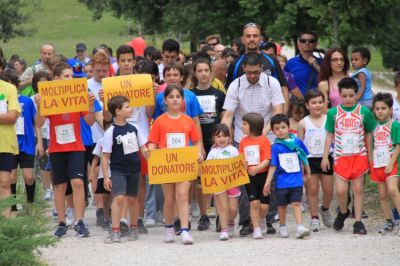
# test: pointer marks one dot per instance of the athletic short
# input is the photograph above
(6, 161)
(378, 174)
(285, 196)
(350, 168)
(315, 166)
(232, 192)
(255, 188)
(24, 160)
(125, 183)
(100, 187)
(66, 166)
(89, 154)
(44, 159)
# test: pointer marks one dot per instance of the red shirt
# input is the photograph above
(65, 132)
(258, 144)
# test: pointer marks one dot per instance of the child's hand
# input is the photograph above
(246, 164)
(39, 149)
(38, 99)
(155, 89)
(101, 95)
(388, 169)
(107, 184)
(91, 98)
(200, 158)
(267, 188)
(306, 179)
(253, 170)
(325, 165)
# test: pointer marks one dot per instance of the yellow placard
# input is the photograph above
(222, 174)
(63, 96)
(137, 88)
(173, 165)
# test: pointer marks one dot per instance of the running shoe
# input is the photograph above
(81, 230)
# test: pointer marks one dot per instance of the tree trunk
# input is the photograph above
(335, 31)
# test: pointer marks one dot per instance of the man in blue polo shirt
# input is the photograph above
(305, 66)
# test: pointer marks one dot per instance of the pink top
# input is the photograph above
(162, 88)
(334, 96)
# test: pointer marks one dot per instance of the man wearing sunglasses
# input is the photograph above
(305, 66)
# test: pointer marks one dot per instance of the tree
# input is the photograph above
(13, 14)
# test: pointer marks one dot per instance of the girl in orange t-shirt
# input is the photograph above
(174, 129)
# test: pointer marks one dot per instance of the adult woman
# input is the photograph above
(334, 67)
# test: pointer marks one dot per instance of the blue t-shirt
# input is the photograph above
(367, 95)
(302, 71)
(283, 179)
(86, 132)
(191, 105)
(26, 134)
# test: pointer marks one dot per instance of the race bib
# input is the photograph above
(135, 115)
(176, 140)
(252, 154)
(350, 143)
(19, 126)
(317, 144)
(381, 157)
(3, 107)
(129, 143)
(65, 134)
(289, 162)
(207, 103)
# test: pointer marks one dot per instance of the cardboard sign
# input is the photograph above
(173, 165)
(137, 88)
(63, 96)
(222, 174)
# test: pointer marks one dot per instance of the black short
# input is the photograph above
(44, 159)
(89, 153)
(315, 166)
(100, 187)
(255, 188)
(24, 160)
(6, 161)
(285, 196)
(66, 166)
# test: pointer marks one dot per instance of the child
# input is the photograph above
(174, 129)
(297, 112)
(312, 132)
(257, 152)
(120, 152)
(227, 201)
(386, 150)
(289, 155)
(350, 126)
(360, 58)
(67, 155)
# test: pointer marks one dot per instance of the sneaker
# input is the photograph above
(186, 238)
(194, 210)
(133, 233)
(204, 223)
(283, 232)
(314, 225)
(48, 195)
(223, 236)
(148, 223)
(142, 229)
(270, 229)
(359, 228)
(177, 227)
(169, 235)
(61, 230)
(54, 214)
(387, 227)
(302, 232)
(326, 217)
(217, 225)
(70, 217)
(339, 221)
(211, 212)
(106, 225)
(113, 237)
(257, 234)
(99, 217)
(124, 227)
(81, 230)
(231, 230)
(246, 229)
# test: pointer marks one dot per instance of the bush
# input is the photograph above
(23, 233)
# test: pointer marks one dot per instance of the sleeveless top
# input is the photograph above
(334, 96)
(349, 133)
(314, 138)
(367, 95)
(383, 145)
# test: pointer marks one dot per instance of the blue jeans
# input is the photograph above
(153, 201)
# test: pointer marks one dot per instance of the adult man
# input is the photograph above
(213, 40)
(46, 52)
(218, 51)
(305, 66)
(81, 55)
(170, 53)
(253, 92)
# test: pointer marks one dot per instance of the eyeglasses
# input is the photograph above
(251, 24)
(308, 40)
(337, 60)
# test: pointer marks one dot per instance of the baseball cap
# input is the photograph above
(77, 68)
(80, 47)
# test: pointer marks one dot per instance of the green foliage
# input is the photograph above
(22, 234)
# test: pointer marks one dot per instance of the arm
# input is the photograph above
(199, 145)
(92, 170)
(151, 146)
(39, 119)
(301, 130)
(270, 176)
(144, 151)
(89, 117)
(328, 142)
(9, 118)
(369, 142)
(104, 164)
(362, 79)
(39, 144)
(313, 63)
(198, 126)
(253, 170)
(323, 87)
(227, 119)
(285, 93)
(393, 160)
(296, 92)
(276, 109)
(152, 108)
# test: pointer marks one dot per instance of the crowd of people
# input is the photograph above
(302, 124)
